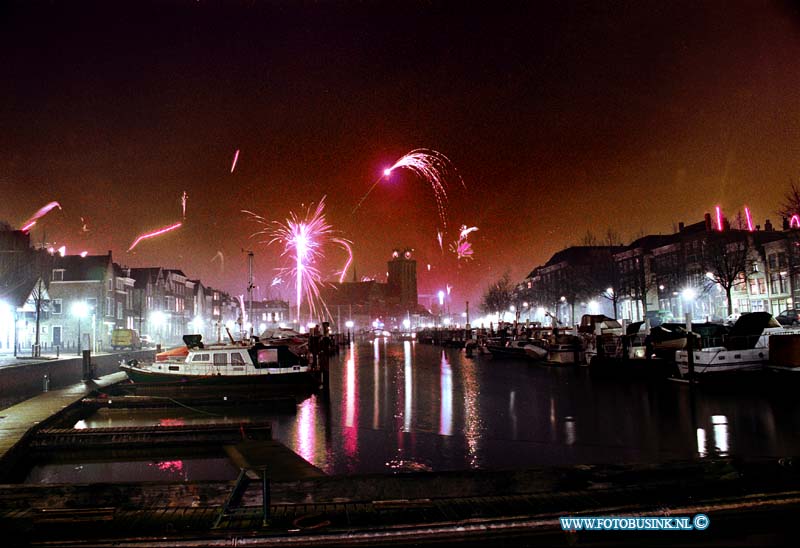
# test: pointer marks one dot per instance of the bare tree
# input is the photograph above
(498, 296)
(725, 259)
(791, 201)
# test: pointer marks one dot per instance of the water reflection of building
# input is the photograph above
(363, 302)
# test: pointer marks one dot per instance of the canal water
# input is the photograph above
(398, 406)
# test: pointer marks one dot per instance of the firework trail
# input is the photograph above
(303, 239)
(427, 164)
(439, 238)
(346, 245)
(235, 159)
(184, 197)
(276, 281)
(84, 225)
(44, 210)
(153, 234)
(221, 258)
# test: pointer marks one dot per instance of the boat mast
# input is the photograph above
(250, 291)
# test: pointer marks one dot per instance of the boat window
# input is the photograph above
(236, 358)
(220, 359)
(200, 358)
(268, 356)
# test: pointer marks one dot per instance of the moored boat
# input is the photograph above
(517, 348)
(225, 363)
(745, 348)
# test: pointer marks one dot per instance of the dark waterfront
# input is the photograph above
(409, 406)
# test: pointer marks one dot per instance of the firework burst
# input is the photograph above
(430, 165)
(462, 247)
(303, 239)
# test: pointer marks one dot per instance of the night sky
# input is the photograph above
(560, 117)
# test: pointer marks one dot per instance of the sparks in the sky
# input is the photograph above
(235, 159)
(184, 198)
(153, 234)
(462, 247)
(276, 281)
(221, 258)
(44, 210)
(303, 239)
(749, 218)
(430, 165)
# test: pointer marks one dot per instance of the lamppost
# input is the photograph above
(349, 325)
(80, 309)
(158, 320)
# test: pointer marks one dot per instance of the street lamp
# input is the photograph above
(159, 319)
(80, 310)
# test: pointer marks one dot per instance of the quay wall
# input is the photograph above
(25, 379)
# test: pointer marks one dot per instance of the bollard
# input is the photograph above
(88, 374)
(58, 351)
(46, 383)
(265, 497)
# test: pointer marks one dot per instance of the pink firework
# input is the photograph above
(435, 168)
(430, 165)
(44, 210)
(462, 247)
(303, 239)
(235, 159)
(153, 234)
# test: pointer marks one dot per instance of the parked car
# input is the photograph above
(788, 317)
(146, 341)
(125, 338)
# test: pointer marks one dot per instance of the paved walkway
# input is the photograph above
(8, 358)
(17, 420)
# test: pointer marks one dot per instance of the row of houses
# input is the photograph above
(74, 300)
(706, 268)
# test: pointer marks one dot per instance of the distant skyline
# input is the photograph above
(560, 117)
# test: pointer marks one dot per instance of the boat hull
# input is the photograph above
(139, 375)
(721, 362)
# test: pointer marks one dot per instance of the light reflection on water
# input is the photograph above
(409, 406)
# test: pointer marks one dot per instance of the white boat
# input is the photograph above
(746, 348)
(518, 348)
(224, 363)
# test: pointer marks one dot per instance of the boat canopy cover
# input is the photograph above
(589, 321)
(193, 341)
(748, 328)
(633, 328)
